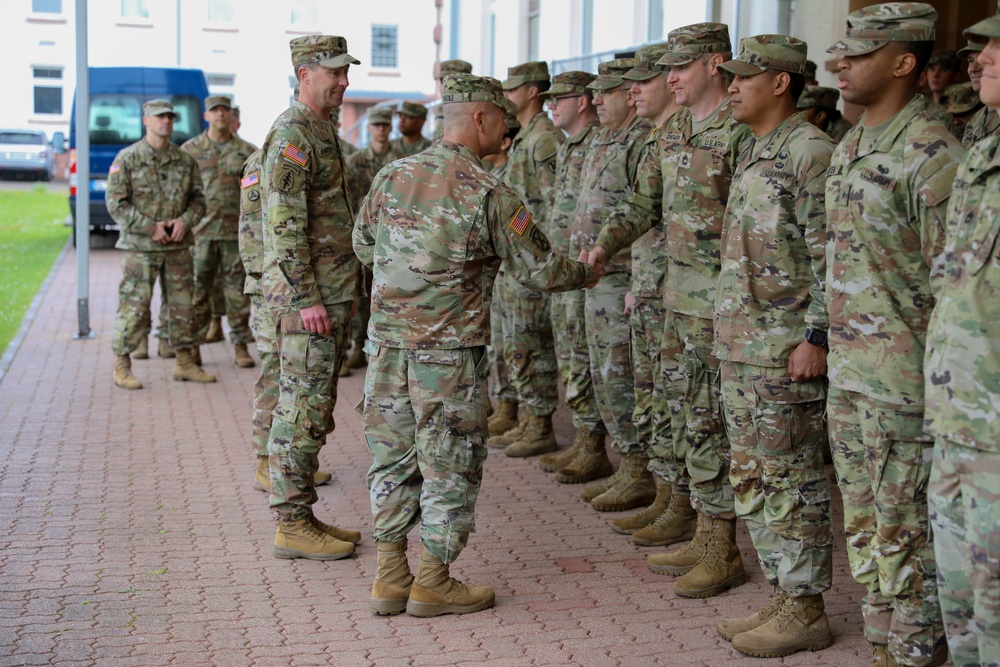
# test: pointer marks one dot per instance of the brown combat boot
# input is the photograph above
(142, 352)
(556, 460)
(728, 628)
(185, 369)
(588, 493)
(882, 656)
(163, 349)
(536, 438)
(800, 624)
(302, 539)
(677, 563)
(342, 534)
(123, 373)
(215, 333)
(676, 524)
(243, 358)
(721, 565)
(511, 435)
(357, 358)
(504, 418)
(391, 588)
(634, 488)
(262, 476)
(590, 462)
(434, 592)
(629, 524)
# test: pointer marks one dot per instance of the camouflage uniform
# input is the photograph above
(216, 248)
(839, 129)
(307, 262)
(886, 197)
(445, 68)
(825, 99)
(146, 186)
(984, 124)
(425, 398)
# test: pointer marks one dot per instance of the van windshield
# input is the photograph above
(22, 138)
(116, 119)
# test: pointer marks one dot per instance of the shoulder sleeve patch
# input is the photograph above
(288, 179)
(296, 155)
(520, 221)
(114, 169)
(250, 180)
(937, 188)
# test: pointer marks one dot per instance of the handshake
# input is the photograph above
(596, 258)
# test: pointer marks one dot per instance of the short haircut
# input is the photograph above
(796, 85)
(921, 50)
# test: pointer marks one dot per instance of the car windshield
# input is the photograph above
(22, 138)
(117, 119)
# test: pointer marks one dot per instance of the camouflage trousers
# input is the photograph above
(573, 356)
(528, 346)
(218, 262)
(303, 415)
(646, 322)
(139, 271)
(265, 390)
(610, 342)
(777, 430)
(883, 461)
(218, 300)
(964, 497)
(363, 311)
(425, 423)
(664, 446)
(500, 385)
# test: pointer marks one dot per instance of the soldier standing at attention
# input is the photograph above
(887, 192)
(986, 121)
(310, 280)
(770, 336)
(444, 69)
(425, 394)
(497, 163)
(411, 125)
(963, 392)
(220, 155)
(155, 196)
(820, 106)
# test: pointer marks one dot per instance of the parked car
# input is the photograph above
(26, 152)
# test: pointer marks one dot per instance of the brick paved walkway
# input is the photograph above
(131, 535)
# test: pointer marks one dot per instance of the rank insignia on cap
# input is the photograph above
(114, 169)
(295, 154)
(520, 221)
(247, 181)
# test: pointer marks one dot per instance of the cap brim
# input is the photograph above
(977, 48)
(339, 61)
(562, 89)
(506, 105)
(671, 59)
(740, 68)
(604, 84)
(514, 82)
(855, 47)
(216, 106)
(984, 29)
(641, 74)
(162, 112)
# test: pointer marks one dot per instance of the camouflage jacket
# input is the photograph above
(146, 187)
(309, 215)
(963, 342)
(774, 259)
(434, 229)
(565, 191)
(438, 122)
(531, 166)
(886, 202)
(838, 129)
(251, 238)
(609, 171)
(363, 166)
(983, 124)
(220, 167)
(403, 149)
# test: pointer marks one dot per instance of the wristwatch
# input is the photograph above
(816, 337)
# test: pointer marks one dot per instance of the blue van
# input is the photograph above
(116, 98)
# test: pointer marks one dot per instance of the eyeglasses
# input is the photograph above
(554, 101)
(608, 93)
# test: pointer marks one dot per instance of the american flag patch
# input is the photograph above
(520, 221)
(295, 154)
(247, 181)
(114, 169)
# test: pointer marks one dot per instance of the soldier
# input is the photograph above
(941, 72)
(886, 196)
(155, 196)
(346, 147)
(820, 106)
(310, 280)
(425, 394)
(697, 163)
(811, 74)
(220, 155)
(529, 348)
(497, 163)
(986, 121)
(411, 124)
(236, 124)
(770, 335)
(962, 102)
(962, 394)
(444, 69)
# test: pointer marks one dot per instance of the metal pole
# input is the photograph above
(82, 176)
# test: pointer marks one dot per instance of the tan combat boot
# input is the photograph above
(728, 628)
(243, 358)
(434, 592)
(357, 359)
(556, 460)
(163, 349)
(635, 488)
(215, 333)
(590, 462)
(302, 539)
(186, 370)
(504, 418)
(536, 438)
(677, 563)
(677, 524)
(511, 435)
(721, 565)
(882, 656)
(588, 493)
(342, 534)
(800, 624)
(391, 588)
(345, 370)
(629, 524)
(262, 476)
(142, 352)
(123, 373)
(196, 355)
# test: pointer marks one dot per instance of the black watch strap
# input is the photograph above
(816, 337)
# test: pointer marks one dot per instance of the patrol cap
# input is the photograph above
(611, 74)
(380, 116)
(763, 52)
(213, 101)
(569, 83)
(810, 72)
(971, 48)
(471, 88)
(532, 72)
(946, 58)
(961, 98)
(236, 110)
(645, 67)
(447, 67)
(158, 108)
(688, 43)
(871, 28)
(982, 31)
(818, 96)
(328, 51)
(511, 121)
(412, 109)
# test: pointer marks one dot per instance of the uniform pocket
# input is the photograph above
(787, 412)
(461, 430)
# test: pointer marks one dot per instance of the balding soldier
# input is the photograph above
(425, 395)
(986, 121)
(310, 280)
(444, 69)
(412, 116)
(886, 196)
(820, 106)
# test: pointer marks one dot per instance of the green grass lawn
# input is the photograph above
(32, 234)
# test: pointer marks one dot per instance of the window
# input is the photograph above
(384, 46)
(217, 80)
(48, 90)
(46, 6)
(534, 28)
(303, 12)
(220, 11)
(135, 9)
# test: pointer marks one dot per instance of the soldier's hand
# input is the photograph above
(597, 255)
(629, 303)
(160, 235)
(806, 362)
(598, 269)
(315, 319)
(179, 230)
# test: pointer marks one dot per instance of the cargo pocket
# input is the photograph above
(461, 433)
(787, 413)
